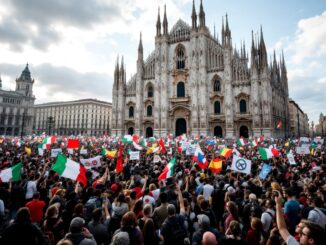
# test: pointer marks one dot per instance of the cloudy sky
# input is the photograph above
(71, 45)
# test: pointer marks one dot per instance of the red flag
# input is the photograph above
(119, 165)
(163, 150)
(73, 143)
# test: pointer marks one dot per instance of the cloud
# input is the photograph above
(309, 39)
(39, 23)
(322, 80)
(52, 82)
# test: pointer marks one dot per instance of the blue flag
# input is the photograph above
(265, 171)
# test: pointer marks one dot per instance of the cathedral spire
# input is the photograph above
(253, 65)
(158, 24)
(201, 16)
(140, 48)
(165, 22)
(214, 33)
(223, 32)
(116, 72)
(262, 51)
(194, 16)
(227, 33)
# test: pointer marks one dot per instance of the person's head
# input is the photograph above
(252, 197)
(301, 225)
(121, 198)
(203, 221)
(129, 220)
(163, 197)
(97, 214)
(235, 228)
(65, 242)
(209, 239)
(312, 234)
(52, 212)
(79, 209)
(317, 202)
(147, 210)
(232, 209)
(76, 225)
(256, 224)
(36, 195)
(149, 229)
(23, 216)
(171, 210)
(121, 238)
(270, 204)
(133, 195)
(138, 206)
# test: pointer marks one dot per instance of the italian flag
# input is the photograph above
(267, 153)
(143, 142)
(70, 169)
(254, 143)
(12, 173)
(241, 142)
(136, 146)
(49, 140)
(127, 139)
(168, 171)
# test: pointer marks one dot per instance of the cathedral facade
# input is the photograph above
(195, 83)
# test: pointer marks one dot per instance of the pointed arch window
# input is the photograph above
(217, 86)
(149, 111)
(150, 92)
(181, 58)
(243, 106)
(181, 89)
(217, 107)
(131, 111)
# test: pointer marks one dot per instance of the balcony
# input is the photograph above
(185, 99)
(148, 119)
(242, 115)
(218, 117)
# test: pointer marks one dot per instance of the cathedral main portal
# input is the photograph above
(180, 126)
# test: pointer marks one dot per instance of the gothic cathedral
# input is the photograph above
(195, 83)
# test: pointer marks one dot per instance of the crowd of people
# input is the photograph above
(194, 206)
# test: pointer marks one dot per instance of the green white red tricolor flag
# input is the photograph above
(70, 169)
(168, 171)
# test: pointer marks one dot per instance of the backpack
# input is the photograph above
(255, 210)
(179, 233)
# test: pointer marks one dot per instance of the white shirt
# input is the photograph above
(148, 200)
(31, 189)
(207, 191)
(266, 219)
(318, 217)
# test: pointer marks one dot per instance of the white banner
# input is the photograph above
(191, 150)
(83, 152)
(291, 158)
(241, 165)
(91, 162)
(55, 152)
(303, 149)
(185, 145)
(70, 151)
(134, 155)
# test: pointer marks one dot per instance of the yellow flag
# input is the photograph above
(28, 151)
